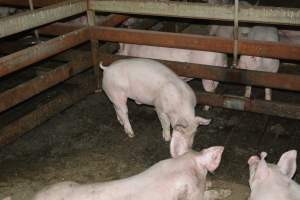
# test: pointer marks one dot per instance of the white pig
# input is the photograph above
(6, 11)
(149, 82)
(181, 177)
(273, 181)
(289, 36)
(261, 33)
(179, 55)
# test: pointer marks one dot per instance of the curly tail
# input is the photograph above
(101, 66)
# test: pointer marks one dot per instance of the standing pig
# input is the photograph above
(260, 33)
(181, 177)
(271, 181)
(180, 55)
(149, 82)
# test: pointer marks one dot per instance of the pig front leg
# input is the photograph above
(165, 123)
(268, 94)
(248, 91)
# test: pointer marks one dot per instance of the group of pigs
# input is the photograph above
(182, 177)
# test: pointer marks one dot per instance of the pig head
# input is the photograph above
(273, 181)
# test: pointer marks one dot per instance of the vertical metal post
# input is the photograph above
(235, 34)
(94, 48)
(36, 32)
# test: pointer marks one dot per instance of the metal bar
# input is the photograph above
(37, 3)
(247, 77)
(30, 55)
(196, 42)
(244, 104)
(235, 34)
(31, 19)
(82, 85)
(273, 15)
(95, 49)
(63, 28)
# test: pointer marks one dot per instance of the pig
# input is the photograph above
(226, 31)
(261, 33)
(6, 11)
(149, 82)
(273, 181)
(181, 177)
(289, 36)
(180, 55)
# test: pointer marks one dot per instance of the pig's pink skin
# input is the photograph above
(180, 55)
(273, 181)
(260, 33)
(149, 82)
(182, 177)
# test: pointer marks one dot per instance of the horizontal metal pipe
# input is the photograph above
(36, 3)
(244, 104)
(266, 79)
(270, 15)
(63, 28)
(31, 19)
(24, 91)
(30, 55)
(197, 42)
(81, 86)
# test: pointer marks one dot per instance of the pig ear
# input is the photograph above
(253, 160)
(211, 157)
(178, 145)
(262, 171)
(202, 121)
(287, 163)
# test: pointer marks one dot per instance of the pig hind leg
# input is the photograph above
(165, 123)
(120, 104)
(248, 91)
(268, 94)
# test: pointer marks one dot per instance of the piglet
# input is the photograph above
(181, 177)
(273, 181)
(149, 82)
(260, 33)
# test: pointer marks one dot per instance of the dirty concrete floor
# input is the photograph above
(85, 143)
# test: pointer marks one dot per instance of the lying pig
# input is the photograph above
(149, 82)
(6, 11)
(271, 181)
(260, 33)
(180, 55)
(181, 177)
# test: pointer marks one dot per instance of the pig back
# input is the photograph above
(141, 79)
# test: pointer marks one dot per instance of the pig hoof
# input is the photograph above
(167, 138)
(98, 90)
(131, 134)
(206, 108)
